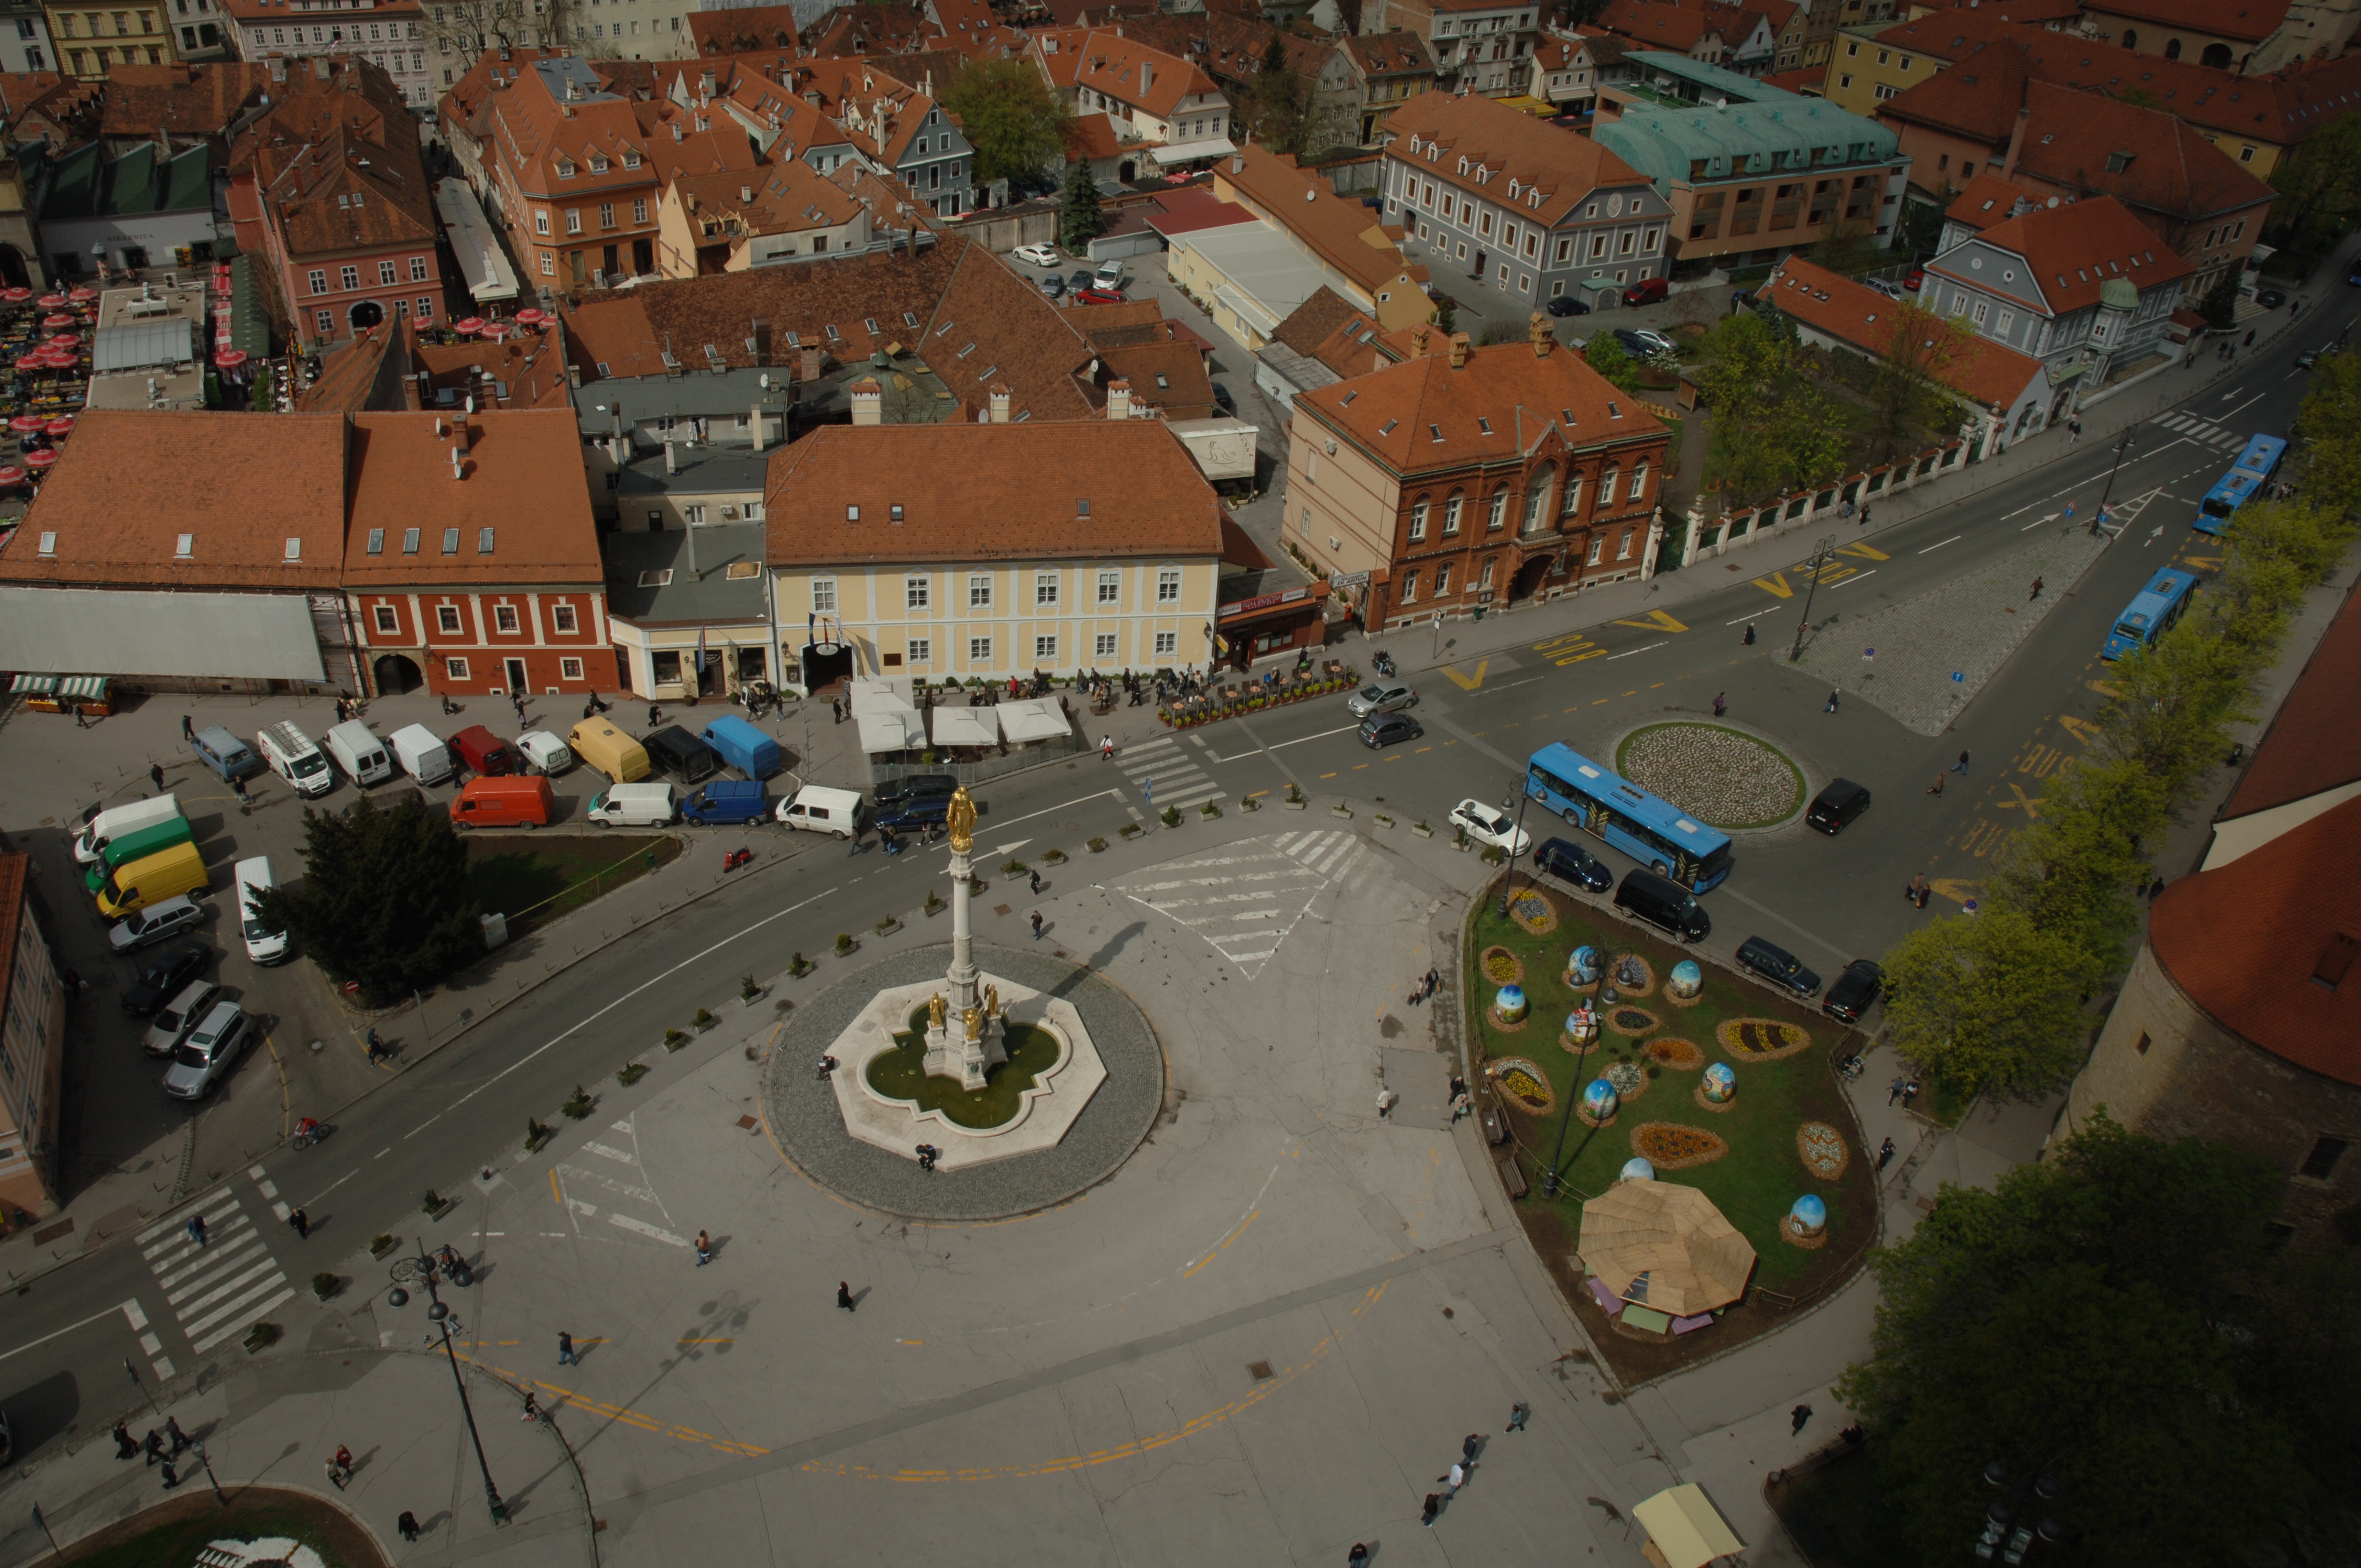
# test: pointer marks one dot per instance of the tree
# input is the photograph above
(1908, 393)
(1078, 218)
(1446, 315)
(1011, 119)
(1744, 356)
(264, 399)
(2320, 181)
(1606, 356)
(2098, 1315)
(2219, 305)
(1990, 1004)
(384, 898)
(467, 27)
(2329, 426)
(1278, 103)
(1848, 246)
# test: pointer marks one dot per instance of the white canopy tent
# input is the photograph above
(871, 694)
(965, 726)
(1034, 718)
(891, 731)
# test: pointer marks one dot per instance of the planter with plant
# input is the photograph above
(799, 966)
(1053, 857)
(325, 1284)
(750, 991)
(1341, 811)
(1295, 801)
(581, 1106)
(701, 1020)
(1098, 846)
(674, 1040)
(1494, 855)
(536, 1133)
(630, 1073)
(1209, 810)
(1129, 830)
(262, 1336)
(845, 944)
(934, 904)
(1422, 830)
(888, 926)
(381, 1244)
(1248, 802)
(433, 1205)
(1015, 869)
(1169, 817)
(1382, 818)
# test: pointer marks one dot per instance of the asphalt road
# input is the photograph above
(69, 1335)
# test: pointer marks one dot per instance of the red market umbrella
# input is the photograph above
(66, 340)
(84, 294)
(12, 476)
(470, 323)
(230, 358)
(59, 321)
(57, 358)
(26, 424)
(531, 314)
(30, 362)
(496, 330)
(59, 427)
(16, 296)
(42, 459)
(53, 301)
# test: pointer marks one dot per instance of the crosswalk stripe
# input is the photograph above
(1244, 898)
(238, 1324)
(211, 1290)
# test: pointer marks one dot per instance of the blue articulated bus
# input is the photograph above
(2156, 609)
(2246, 478)
(1651, 831)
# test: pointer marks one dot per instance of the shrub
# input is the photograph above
(432, 1202)
(536, 1133)
(579, 1106)
(799, 966)
(701, 1018)
(630, 1073)
(1171, 816)
(1494, 855)
(325, 1284)
(379, 1245)
(1209, 810)
(1013, 867)
(747, 987)
(1098, 846)
(1294, 793)
(844, 941)
(888, 926)
(676, 1039)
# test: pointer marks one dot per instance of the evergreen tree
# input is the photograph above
(384, 898)
(1078, 218)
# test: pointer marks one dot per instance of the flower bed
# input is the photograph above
(1761, 1039)
(1501, 967)
(1251, 696)
(1675, 1055)
(1720, 776)
(1668, 1146)
(1823, 1150)
(1632, 1021)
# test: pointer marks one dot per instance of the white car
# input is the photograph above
(204, 1059)
(1490, 825)
(1038, 255)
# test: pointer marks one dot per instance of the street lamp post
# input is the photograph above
(1549, 1177)
(1820, 554)
(136, 1383)
(2006, 1534)
(2121, 447)
(422, 1267)
(1508, 881)
(207, 1461)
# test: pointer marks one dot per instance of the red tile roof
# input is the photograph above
(1991, 373)
(1089, 136)
(2297, 902)
(1186, 212)
(1346, 234)
(2074, 249)
(2071, 137)
(1502, 141)
(1665, 25)
(742, 28)
(400, 478)
(2312, 743)
(1082, 489)
(2249, 21)
(1987, 200)
(1130, 70)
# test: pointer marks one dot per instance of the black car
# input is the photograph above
(162, 975)
(675, 751)
(1385, 729)
(1778, 966)
(1855, 992)
(1566, 305)
(911, 815)
(1081, 279)
(1222, 396)
(916, 786)
(1836, 806)
(1572, 864)
(2270, 299)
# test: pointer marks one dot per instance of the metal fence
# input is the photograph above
(1031, 754)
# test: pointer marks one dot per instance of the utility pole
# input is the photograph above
(2121, 447)
(1820, 554)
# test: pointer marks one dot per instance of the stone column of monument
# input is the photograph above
(950, 1050)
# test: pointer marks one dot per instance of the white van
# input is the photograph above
(291, 754)
(544, 753)
(263, 945)
(824, 810)
(118, 820)
(633, 805)
(359, 752)
(423, 754)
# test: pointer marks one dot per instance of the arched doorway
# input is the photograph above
(12, 268)
(1528, 581)
(1127, 171)
(825, 669)
(2217, 57)
(396, 674)
(366, 315)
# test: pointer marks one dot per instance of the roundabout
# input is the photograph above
(1724, 777)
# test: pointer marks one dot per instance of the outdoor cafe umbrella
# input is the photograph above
(57, 358)
(496, 330)
(84, 295)
(229, 359)
(30, 362)
(57, 322)
(42, 459)
(16, 296)
(66, 340)
(53, 301)
(1665, 1245)
(59, 427)
(531, 314)
(29, 424)
(468, 324)
(12, 476)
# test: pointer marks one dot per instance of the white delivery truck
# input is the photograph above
(544, 753)
(819, 809)
(288, 752)
(633, 805)
(423, 754)
(118, 820)
(359, 752)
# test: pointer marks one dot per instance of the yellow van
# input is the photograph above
(608, 749)
(168, 874)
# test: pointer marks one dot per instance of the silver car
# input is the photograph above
(204, 1059)
(1382, 697)
(178, 1017)
(167, 917)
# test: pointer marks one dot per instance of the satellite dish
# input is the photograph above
(2053, 201)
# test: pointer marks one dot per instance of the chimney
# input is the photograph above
(1459, 351)
(1118, 399)
(2016, 140)
(999, 403)
(755, 424)
(1417, 343)
(672, 458)
(460, 435)
(746, 194)
(320, 66)
(706, 83)
(868, 402)
(1543, 339)
(1237, 164)
(810, 367)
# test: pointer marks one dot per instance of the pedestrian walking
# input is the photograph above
(1036, 884)
(153, 1446)
(1909, 1092)
(237, 788)
(1834, 692)
(1936, 787)
(1358, 1557)
(302, 1223)
(566, 1356)
(2250, 338)
(335, 1476)
(1884, 1154)
(854, 840)
(188, 730)
(1519, 1414)
(80, 722)
(826, 1065)
(156, 774)
(531, 1407)
(835, 710)
(375, 1045)
(2074, 428)
(1452, 1479)
(1748, 640)
(1387, 1099)
(1467, 1448)
(2237, 753)
(407, 1525)
(1961, 767)
(1893, 1091)
(1720, 704)
(1433, 1507)
(1925, 889)
(2154, 888)
(171, 1479)
(1799, 1415)
(844, 1294)
(1036, 924)
(197, 1229)
(704, 1249)
(1865, 514)
(2037, 591)
(928, 1155)
(1106, 748)
(125, 1447)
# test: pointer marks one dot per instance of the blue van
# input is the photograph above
(744, 747)
(226, 754)
(726, 800)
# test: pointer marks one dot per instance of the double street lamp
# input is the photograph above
(1826, 548)
(421, 1268)
(2023, 1515)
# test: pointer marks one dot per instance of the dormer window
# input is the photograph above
(565, 168)
(630, 159)
(1463, 166)
(598, 163)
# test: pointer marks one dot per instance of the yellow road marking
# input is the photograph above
(1775, 584)
(2024, 802)
(1467, 683)
(1867, 550)
(1656, 620)
(1954, 888)
(2081, 731)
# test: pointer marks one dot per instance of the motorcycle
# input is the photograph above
(1384, 662)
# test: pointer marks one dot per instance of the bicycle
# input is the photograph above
(309, 1132)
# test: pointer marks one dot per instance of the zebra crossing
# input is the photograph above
(215, 1290)
(2197, 428)
(608, 1182)
(1166, 773)
(1244, 898)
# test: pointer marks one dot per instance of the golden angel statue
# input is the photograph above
(960, 819)
(935, 1010)
(992, 1001)
(974, 1018)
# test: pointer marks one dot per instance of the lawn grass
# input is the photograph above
(1763, 1173)
(534, 878)
(170, 1534)
(900, 1074)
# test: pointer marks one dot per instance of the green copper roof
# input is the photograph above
(1737, 128)
(2120, 293)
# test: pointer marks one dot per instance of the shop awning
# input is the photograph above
(83, 686)
(1034, 718)
(1687, 1530)
(34, 686)
(1190, 151)
(893, 731)
(965, 726)
(489, 277)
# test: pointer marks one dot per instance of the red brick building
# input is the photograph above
(467, 568)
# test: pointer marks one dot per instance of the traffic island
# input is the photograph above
(258, 1524)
